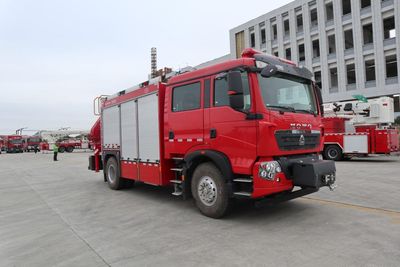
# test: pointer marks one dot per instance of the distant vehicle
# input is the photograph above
(13, 143)
(359, 128)
(72, 144)
(1, 144)
(30, 142)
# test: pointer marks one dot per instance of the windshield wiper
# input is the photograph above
(306, 111)
(287, 108)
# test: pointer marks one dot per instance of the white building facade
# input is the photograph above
(351, 46)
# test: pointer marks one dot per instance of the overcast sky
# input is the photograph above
(56, 56)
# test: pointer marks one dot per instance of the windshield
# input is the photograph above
(16, 141)
(285, 93)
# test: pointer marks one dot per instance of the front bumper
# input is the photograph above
(305, 171)
(314, 173)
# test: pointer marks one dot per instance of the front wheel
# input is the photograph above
(61, 149)
(210, 191)
(333, 152)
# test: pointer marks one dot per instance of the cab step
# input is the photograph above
(176, 181)
(177, 169)
(243, 180)
(242, 194)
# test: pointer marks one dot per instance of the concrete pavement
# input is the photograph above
(61, 214)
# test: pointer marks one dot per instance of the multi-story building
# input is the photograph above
(352, 46)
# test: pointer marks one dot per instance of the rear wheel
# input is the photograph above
(114, 180)
(333, 152)
(61, 149)
(210, 191)
(70, 149)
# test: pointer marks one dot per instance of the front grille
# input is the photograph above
(295, 139)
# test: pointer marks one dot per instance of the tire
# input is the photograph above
(210, 191)
(333, 152)
(61, 149)
(113, 177)
(70, 149)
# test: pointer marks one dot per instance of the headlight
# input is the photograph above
(268, 170)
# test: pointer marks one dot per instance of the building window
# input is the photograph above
(276, 53)
(317, 77)
(288, 53)
(314, 17)
(348, 39)
(286, 27)
(346, 7)
(391, 66)
(274, 32)
(365, 3)
(186, 97)
(351, 74)
(302, 55)
(252, 39)
(316, 50)
(329, 11)
(299, 22)
(239, 43)
(370, 70)
(331, 44)
(334, 77)
(263, 36)
(368, 34)
(389, 30)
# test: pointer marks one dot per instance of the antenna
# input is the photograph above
(153, 62)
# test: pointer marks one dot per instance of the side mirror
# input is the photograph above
(268, 71)
(236, 101)
(235, 82)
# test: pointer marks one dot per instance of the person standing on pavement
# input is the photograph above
(55, 150)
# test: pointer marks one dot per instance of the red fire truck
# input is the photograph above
(245, 128)
(1, 144)
(13, 143)
(30, 142)
(360, 128)
(71, 144)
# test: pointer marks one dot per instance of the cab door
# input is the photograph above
(231, 131)
(184, 120)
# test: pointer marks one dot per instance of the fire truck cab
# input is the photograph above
(246, 128)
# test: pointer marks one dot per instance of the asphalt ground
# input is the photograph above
(61, 214)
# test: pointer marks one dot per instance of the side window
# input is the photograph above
(221, 97)
(186, 97)
(221, 92)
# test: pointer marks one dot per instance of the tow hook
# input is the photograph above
(329, 180)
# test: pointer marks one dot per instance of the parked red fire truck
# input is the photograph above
(70, 144)
(245, 128)
(357, 128)
(1, 144)
(12, 143)
(30, 142)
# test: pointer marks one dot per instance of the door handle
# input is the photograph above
(171, 135)
(213, 133)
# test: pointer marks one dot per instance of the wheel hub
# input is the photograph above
(111, 173)
(332, 153)
(207, 191)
